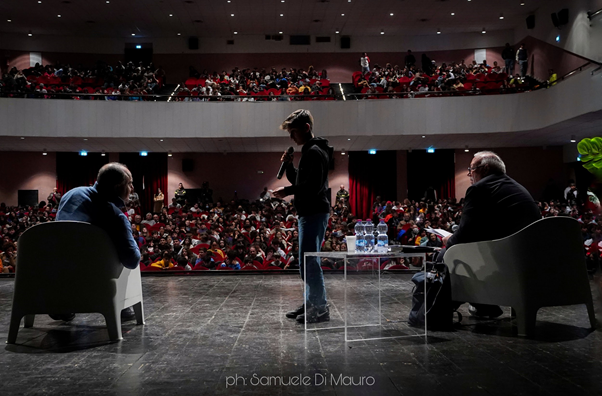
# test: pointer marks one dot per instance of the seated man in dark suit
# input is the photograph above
(496, 206)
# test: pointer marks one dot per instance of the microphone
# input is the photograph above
(284, 164)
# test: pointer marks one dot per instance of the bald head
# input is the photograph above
(115, 179)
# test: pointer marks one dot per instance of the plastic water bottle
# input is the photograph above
(382, 239)
(369, 229)
(360, 241)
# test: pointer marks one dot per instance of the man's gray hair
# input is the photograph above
(112, 175)
(492, 160)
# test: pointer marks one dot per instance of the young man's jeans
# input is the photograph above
(311, 234)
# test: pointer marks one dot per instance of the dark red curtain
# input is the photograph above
(149, 173)
(73, 170)
(371, 175)
(435, 170)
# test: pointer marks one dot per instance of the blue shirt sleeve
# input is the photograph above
(127, 248)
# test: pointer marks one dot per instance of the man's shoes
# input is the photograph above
(485, 311)
(296, 312)
(315, 315)
(64, 317)
(128, 313)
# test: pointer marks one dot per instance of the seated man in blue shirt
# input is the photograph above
(101, 205)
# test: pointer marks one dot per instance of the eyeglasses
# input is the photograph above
(470, 170)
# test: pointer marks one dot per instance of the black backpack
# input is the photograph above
(439, 306)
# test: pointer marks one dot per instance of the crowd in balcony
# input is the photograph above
(407, 80)
(256, 84)
(263, 234)
(127, 81)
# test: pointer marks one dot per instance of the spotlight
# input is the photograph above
(83, 153)
(138, 46)
(430, 150)
(573, 139)
(144, 153)
(372, 151)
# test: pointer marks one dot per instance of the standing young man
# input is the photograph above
(310, 189)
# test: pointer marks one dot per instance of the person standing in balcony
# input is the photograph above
(365, 63)
(522, 57)
(509, 56)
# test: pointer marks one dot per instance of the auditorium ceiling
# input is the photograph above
(221, 18)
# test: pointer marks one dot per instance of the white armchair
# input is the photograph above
(541, 265)
(72, 267)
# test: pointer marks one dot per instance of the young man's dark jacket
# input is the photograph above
(310, 180)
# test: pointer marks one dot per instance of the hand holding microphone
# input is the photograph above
(286, 159)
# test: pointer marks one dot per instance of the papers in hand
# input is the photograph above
(438, 232)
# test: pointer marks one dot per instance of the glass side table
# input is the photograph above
(362, 298)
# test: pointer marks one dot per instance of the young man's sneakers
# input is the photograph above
(296, 312)
(485, 311)
(314, 314)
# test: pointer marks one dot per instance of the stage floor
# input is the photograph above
(228, 335)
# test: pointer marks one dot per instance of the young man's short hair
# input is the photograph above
(298, 119)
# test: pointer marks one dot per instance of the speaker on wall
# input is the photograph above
(555, 20)
(345, 42)
(187, 165)
(563, 17)
(193, 43)
(531, 22)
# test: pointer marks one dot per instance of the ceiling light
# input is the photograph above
(337, 31)
(573, 139)
(85, 139)
(44, 153)
(484, 31)
(453, 13)
(179, 34)
(466, 149)
(372, 151)
(169, 154)
(281, 14)
(39, 2)
(229, 1)
(108, 1)
(349, 139)
(279, 32)
(423, 136)
(391, 14)
(103, 154)
(22, 138)
(58, 16)
(138, 46)
(235, 32)
(8, 20)
(133, 34)
(170, 14)
(83, 153)
(160, 140)
(30, 33)
(342, 153)
(382, 32)
(438, 31)
(282, 1)
(502, 16)
(522, 3)
(231, 15)
(430, 150)
(342, 14)
(144, 153)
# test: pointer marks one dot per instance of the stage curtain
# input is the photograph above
(149, 173)
(73, 170)
(371, 175)
(435, 170)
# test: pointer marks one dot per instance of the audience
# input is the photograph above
(264, 234)
(63, 81)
